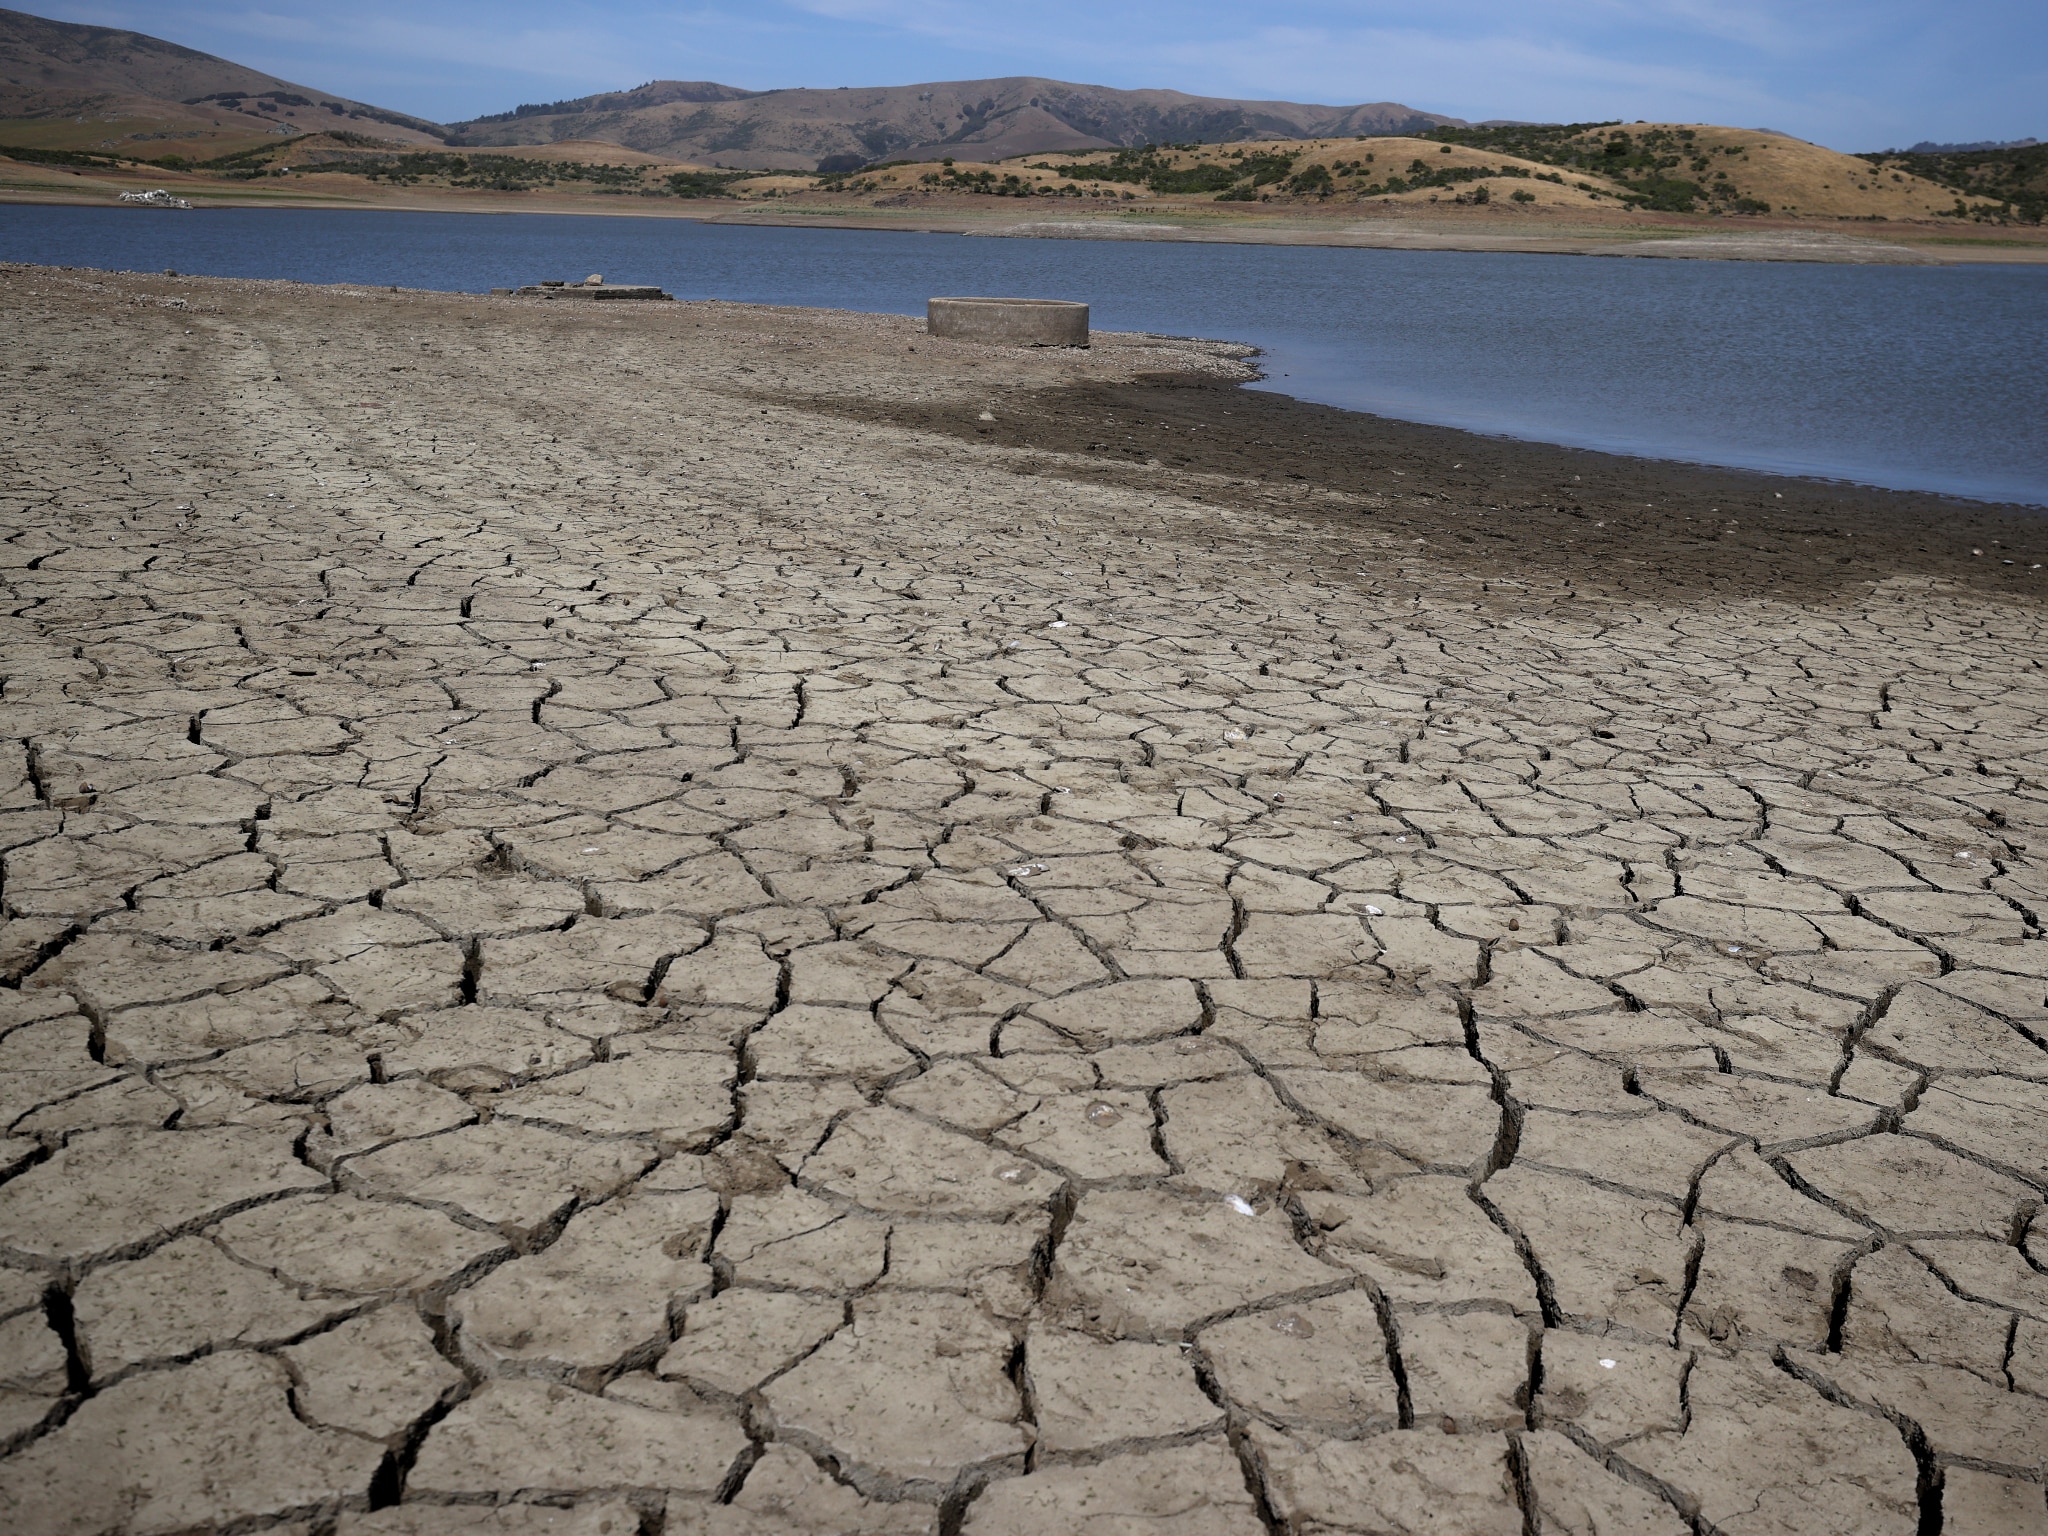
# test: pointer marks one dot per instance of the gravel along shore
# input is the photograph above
(709, 919)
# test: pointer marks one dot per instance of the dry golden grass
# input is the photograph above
(773, 184)
(143, 130)
(584, 151)
(1352, 163)
(1790, 175)
(1794, 176)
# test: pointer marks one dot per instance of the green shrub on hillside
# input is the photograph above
(1145, 166)
(700, 183)
(1136, 166)
(2015, 180)
(1643, 162)
(491, 173)
(1194, 178)
(1266, 169)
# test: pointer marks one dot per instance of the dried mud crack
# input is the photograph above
(742, 921)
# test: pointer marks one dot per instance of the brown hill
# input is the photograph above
(65, 86)
(656, 93)
(1698, 167)
(2002, 181)
(979, 120)
(1672, 168)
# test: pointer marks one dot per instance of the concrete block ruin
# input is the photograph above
(1010, 322)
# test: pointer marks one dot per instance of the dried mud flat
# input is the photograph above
(721, 920)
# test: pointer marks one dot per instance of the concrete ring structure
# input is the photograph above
(1010, 322)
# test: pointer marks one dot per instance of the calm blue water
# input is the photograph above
(1932, 378)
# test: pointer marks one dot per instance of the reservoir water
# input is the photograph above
(1927, 378)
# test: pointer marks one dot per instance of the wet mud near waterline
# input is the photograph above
(1606, 523)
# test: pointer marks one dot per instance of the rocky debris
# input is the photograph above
(592, 287)
(872, 968)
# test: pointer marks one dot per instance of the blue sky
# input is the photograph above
(1853, 76)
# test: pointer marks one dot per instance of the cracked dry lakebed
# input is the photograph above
(656, 920)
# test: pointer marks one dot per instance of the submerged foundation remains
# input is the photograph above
(592, 287)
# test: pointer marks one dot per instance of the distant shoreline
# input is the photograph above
(1825, 241)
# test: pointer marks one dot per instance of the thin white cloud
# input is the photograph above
(1488, 76)
(578, 54)
(1765, 27)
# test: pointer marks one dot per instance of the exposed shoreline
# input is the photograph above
(1803, 244)
(1617, 524)
(1684, 470)
(1815, 481)
(1265, 451)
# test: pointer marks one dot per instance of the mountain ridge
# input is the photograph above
(74, 86)
(115, 76)
(654, 93)
(807, 128)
